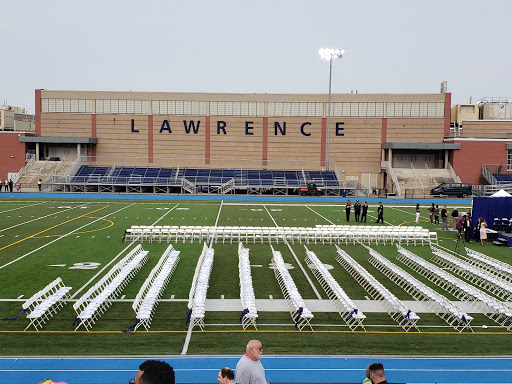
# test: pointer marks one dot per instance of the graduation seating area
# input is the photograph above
(477, 276)
(406, 318)
(490, 306)
(197, 295)
(442, 307)
(490, 264)
(146, 301)
(320, 234)
(346, 308)
(100, 296)
(249, 313)
(45, 303)
(300, 314)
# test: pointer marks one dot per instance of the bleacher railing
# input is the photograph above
(454, 176)
(387, 166)
(30, 161)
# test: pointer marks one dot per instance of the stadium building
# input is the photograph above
(166, 142)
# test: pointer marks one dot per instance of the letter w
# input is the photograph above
(191, 124)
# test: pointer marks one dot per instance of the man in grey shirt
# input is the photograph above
(249, 369)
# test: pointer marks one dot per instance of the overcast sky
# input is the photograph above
(269, 46)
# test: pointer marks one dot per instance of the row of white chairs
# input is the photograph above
(348, 311)
(481, 301)
(247, 297)
(490, 264)
(499, 287)
(300, 314)
(399, 312)
(199, 288)
(100, 296)
(146, 301)
(442, 307)
(274, 235)
(45, 303)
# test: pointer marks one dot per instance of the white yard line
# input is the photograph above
(117, 256)
(304, 271)
(296, 259)
(271, 218)
(26, 206)
(169, 211)
(187, 339)
(218, 214)
(60, 237)
(42, 217)
(326, 219)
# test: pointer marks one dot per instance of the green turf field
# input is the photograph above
(77, 239)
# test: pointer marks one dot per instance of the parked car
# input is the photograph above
(452, 189)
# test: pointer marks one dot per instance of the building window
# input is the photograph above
(178, 107)
(237, 108)
(415, 110)
(66, 106)
(467, 109)
(296, 109)
(356, 109)
(509, 160)
(117, 106)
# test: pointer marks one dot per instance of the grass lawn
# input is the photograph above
(79, 240)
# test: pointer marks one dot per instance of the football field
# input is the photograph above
(79, 240)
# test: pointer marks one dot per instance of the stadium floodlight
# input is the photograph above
(329, 54)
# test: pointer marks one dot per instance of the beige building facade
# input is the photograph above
(247, 131)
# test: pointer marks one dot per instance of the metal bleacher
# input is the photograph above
(182, 179)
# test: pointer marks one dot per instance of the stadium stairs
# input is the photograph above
(419, 182)
(43, 170)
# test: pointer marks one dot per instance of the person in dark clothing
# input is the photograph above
(380, 213)
(365, 212)
(436, 214)
(455, 216)
(444, 218)
(357, 210)
(11, 184)
(347, 210)
(467, 228)
(431, 211)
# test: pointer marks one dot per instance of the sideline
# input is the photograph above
(300, 199)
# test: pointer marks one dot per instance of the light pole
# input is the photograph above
(329, 54)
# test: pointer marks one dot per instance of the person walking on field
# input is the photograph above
(380, 213)
(436, 214)
(418, 209)
(431, 211)
(347, 210)
(365, 211)
(357, 210)
(483, 232)
(444, 218)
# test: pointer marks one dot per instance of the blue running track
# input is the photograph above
(279, 369)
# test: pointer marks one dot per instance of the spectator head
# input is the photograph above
(375, 372)
(154, 372)
(225, 375)
(254, 350)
